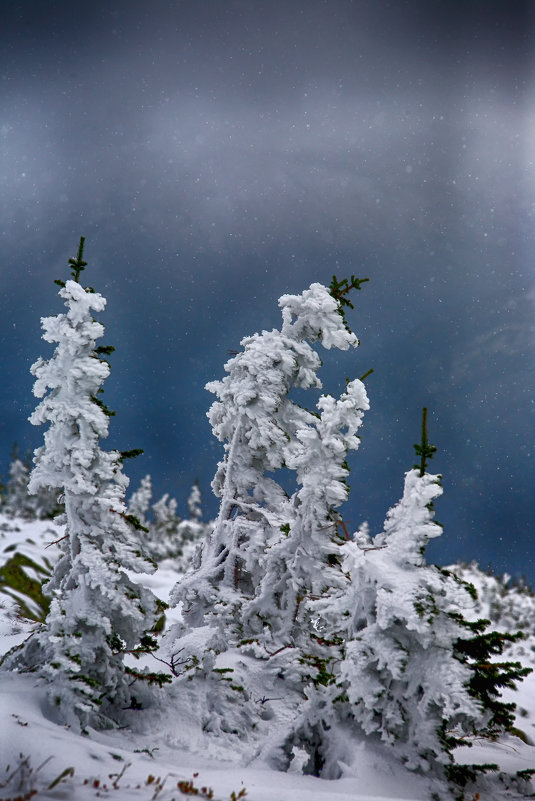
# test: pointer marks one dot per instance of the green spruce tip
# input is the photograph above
(339, 289)
(131, 454)
(424, 449)
(76, 264)
(106, 350)
(365, 376)
(488, 676)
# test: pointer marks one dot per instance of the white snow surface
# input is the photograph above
(161, 749)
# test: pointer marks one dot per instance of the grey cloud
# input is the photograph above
(334, 168)
(219, 154)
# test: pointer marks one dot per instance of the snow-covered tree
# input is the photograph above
(194, 503)
(163, 534)
(305, 563)
(97, 612)
(192, 532)
(258, 423)
(267, 435)
(18, 502)
(400, 672)
(163, 541)
(508, 604)
(139, 502)
(42, 503)
(415, 673)
(304, 568)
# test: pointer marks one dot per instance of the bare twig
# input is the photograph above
(297, 605)
(264, 700)
(118, 776)
(279, 650)
(343, 526)
(173, 663)
(374, 548)
(55, 542)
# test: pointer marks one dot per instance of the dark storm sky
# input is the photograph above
(219, 154)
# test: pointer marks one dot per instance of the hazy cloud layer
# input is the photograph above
(217, 155)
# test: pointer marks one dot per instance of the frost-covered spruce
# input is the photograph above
(258, 424)
(160, 539)
(305, 563)
(192, 532)
(42, 504)
(400, 673)
(415, 672)
(166, 535)
(18, 503)
(97, 611)
(163, 540)
(509, 605)
(303, 569)
(158, 522)
(171, 537)
(139, 502)
(194, 503)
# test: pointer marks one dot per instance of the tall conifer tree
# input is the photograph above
(97, 611)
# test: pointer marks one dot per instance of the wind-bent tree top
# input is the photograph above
(313, 315)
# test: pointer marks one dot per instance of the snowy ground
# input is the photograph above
(160, 761)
